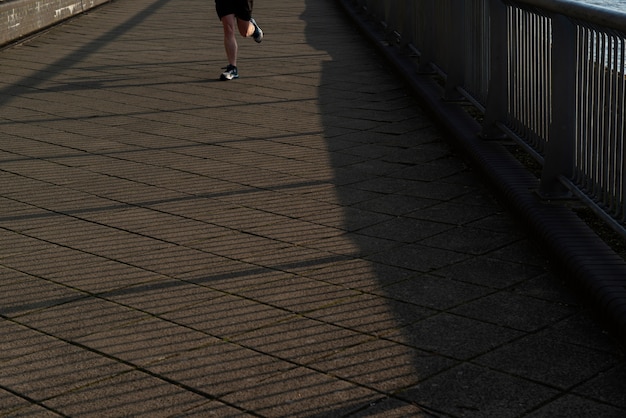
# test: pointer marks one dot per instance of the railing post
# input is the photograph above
(403, 12)
(410, 22)
(393, 11)
(397, 11)
(455, 73)
(559, 151)
(496, 109)
(427, 37)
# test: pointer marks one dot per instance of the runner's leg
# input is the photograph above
(230, 41)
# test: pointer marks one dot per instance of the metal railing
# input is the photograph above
(550, 74)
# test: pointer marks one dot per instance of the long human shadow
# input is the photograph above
(340, 84)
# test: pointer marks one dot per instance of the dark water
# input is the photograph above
(610, 4)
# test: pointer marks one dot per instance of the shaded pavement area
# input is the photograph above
(301, 242)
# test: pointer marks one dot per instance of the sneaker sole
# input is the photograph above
(259, 38)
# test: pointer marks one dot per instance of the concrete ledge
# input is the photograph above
(587, 262)
(24, 17)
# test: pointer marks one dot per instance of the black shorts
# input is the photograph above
(240, 8)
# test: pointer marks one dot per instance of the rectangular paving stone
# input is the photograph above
(371, 314)
(148, 397)
(221, 368)
(407, 230)
(433, 292)
(454, 336)
(146, 341)
(21, 293)
(298, 294)
(608, 386)
(546, 360)
(56, 368)
(162, 295)
(300, 340)
(515, 311)
(19, 341)
(228, 316)
(81, 317)
(417, 257)
(301, 392)
(568, 405)
(469, 240)
(473, 390)
(490, 272)
(383, 365)
(13, 404)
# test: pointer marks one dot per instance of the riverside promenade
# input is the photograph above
(300, 242)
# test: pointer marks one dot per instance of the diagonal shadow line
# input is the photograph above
(77, 56)
(146, 112)
(174, 149)
(204, 281)
(147, 204)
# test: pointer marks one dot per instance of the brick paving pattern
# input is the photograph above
(301, 242)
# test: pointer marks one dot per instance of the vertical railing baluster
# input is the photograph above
(496, 109)
(621, 129)
(456, 52)
(559, 154)
(427, 39)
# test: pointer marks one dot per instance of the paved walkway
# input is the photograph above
(301, 242)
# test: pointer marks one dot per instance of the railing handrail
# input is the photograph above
(612, 19)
